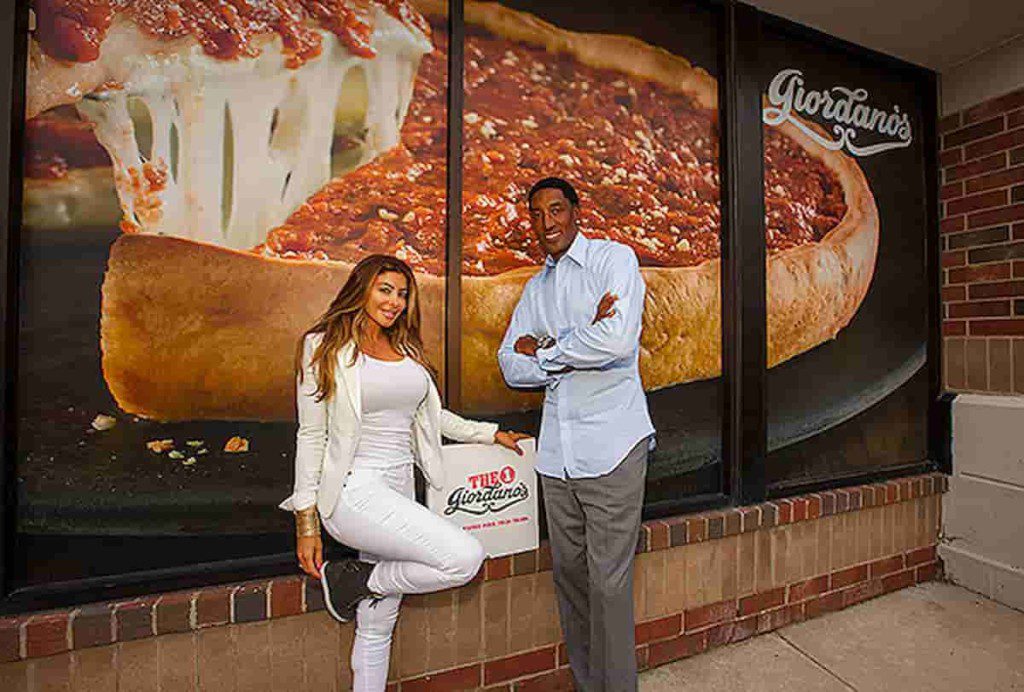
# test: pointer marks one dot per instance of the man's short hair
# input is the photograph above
(555, 184)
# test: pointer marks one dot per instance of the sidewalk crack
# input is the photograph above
(816, 662)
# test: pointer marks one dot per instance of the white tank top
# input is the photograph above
(391, 391)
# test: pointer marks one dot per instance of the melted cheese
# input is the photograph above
(238, 145)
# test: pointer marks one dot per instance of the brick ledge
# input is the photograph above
(53, 632)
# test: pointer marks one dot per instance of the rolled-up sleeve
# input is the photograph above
(311, 438)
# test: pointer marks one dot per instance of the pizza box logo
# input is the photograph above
(487, 493)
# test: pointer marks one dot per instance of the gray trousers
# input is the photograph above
(593, 524)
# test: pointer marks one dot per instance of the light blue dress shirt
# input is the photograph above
(597, 412)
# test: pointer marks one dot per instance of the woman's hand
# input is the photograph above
(510, 440)
(605, 307)
(310, 551)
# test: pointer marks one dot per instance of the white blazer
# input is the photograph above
(326, 442)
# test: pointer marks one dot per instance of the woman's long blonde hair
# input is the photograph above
(345, 321)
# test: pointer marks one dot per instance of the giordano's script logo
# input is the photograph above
(844, 107)
(486, 493)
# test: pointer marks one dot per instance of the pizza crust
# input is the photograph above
(219, 326)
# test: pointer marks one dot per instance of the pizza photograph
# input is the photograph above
(199, 178)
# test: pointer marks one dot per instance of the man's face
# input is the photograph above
(553, 218)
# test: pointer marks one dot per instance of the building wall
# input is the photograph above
(701, 581)
(982, 159)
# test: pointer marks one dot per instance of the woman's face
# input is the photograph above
(388, 298)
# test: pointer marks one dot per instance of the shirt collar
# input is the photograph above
(577, 251)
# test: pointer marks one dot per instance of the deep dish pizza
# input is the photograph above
(633, 127)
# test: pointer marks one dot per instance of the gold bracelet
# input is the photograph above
(307, 522)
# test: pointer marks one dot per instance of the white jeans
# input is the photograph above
(416, 551)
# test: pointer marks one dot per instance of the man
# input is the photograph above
(576, 332)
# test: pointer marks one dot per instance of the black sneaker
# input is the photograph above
(344, 585)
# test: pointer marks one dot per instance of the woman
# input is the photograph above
(368, 410)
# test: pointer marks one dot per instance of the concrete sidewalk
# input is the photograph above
(934, 636)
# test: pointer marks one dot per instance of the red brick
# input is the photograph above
(498, 568)
(950, 293)
(813, 506)
(677, 530)
(544, 557)
(285, 597)
(951, 157)
(785, 511)
(641, 657)
(897, 581)
(762, 601)
(995, 180)
(10, 639)
(710, 614)
(996, 290)
(799, 509)
(861, 592)
(956, 258)
(643, 539)
(996, 327)
(999, 143)
(953, 224)
(991, 217)
(848, 576)
(675, 649)
(465, 678)
(696, 529)
(949, 123)
(951, 191)
(1015, 119)
(921, 556)
(825, 603)
(1018, 269)
(744, 629)
(721, 634)
(519, 665)
(213, 607)
(1000, 104)
(927, 572)
(780, 617)
(555, 681)
(985, 200)
(988, 164)
(133, 620)
(563, 655)
(985, 272)
(750, 518)
(659, 535)
(987, 308)
(885, 566)
(803, 590)
(978, 130)
(46, 634)
(954, 328)
(524, 562)
(659, 629)
(92, 625)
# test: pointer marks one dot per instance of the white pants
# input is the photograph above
(416, 551)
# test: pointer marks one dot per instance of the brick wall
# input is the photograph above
(701, 581)
(982, 227)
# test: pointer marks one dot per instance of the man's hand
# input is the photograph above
(527, 345)
(605, 307)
